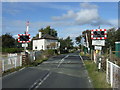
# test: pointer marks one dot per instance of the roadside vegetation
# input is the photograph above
(98, 78)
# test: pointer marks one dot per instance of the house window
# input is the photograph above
(42, 46)
(36, 47)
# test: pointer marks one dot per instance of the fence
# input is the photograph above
(34, 55)
(113, 74)
(14, 60)
(11, 61)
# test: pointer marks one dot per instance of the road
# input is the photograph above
(63, 71)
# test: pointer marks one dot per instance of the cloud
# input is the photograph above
(88, 6)
(15, 7)
(88, 14)
(70, 14)
(71, 31)
(114, 22)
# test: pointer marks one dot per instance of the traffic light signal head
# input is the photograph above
(23, 38)
(98, 34)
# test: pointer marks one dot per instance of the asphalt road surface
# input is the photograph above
(63, 71)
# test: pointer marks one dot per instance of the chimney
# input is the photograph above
(40, 34)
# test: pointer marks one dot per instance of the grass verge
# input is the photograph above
(37, 62)
(82, 54)
(98, 78)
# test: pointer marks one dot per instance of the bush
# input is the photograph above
(48, 53)
(11, 50)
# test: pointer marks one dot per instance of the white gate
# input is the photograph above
(113, 74)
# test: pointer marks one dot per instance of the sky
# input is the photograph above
(68, 18)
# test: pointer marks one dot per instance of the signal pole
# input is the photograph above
(27, 27)
(26, 32)
(87, 43)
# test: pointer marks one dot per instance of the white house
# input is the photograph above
(45, 42)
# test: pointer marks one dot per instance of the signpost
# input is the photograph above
(24, 45)
(98, 42)
(24, 39)
(98, 47)
(98, 37)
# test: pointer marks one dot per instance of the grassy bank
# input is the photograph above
(98, 78)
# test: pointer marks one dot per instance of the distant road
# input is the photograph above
(63, 71)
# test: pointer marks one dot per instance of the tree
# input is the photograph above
(117, 36)
(48, 30)
(89, 37)
(111, 39)
(8, 41)
(69, 43)
(65, 43)
(78, 40)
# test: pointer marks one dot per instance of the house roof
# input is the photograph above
(46, 36)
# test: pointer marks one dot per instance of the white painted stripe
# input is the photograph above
(43, 80)
(62, 61)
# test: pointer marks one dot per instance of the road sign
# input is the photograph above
(99, 34)
(98, 42)
(24, 45)
(23, 38)
(98, 48)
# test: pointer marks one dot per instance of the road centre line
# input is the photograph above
(43, 79)
(62, 61)
(39, 82)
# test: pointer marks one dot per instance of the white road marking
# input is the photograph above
(62, 61)
(86, 71)
(43, 80)
(39, 82)
(69, 61)
(82, 60)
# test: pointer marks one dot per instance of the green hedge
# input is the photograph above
(12, 50)
(49, 52)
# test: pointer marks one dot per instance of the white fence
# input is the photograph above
(11, 61)
(14, 60)
(113, 74)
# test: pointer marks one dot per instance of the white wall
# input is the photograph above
(39, 44)
(44, 43)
